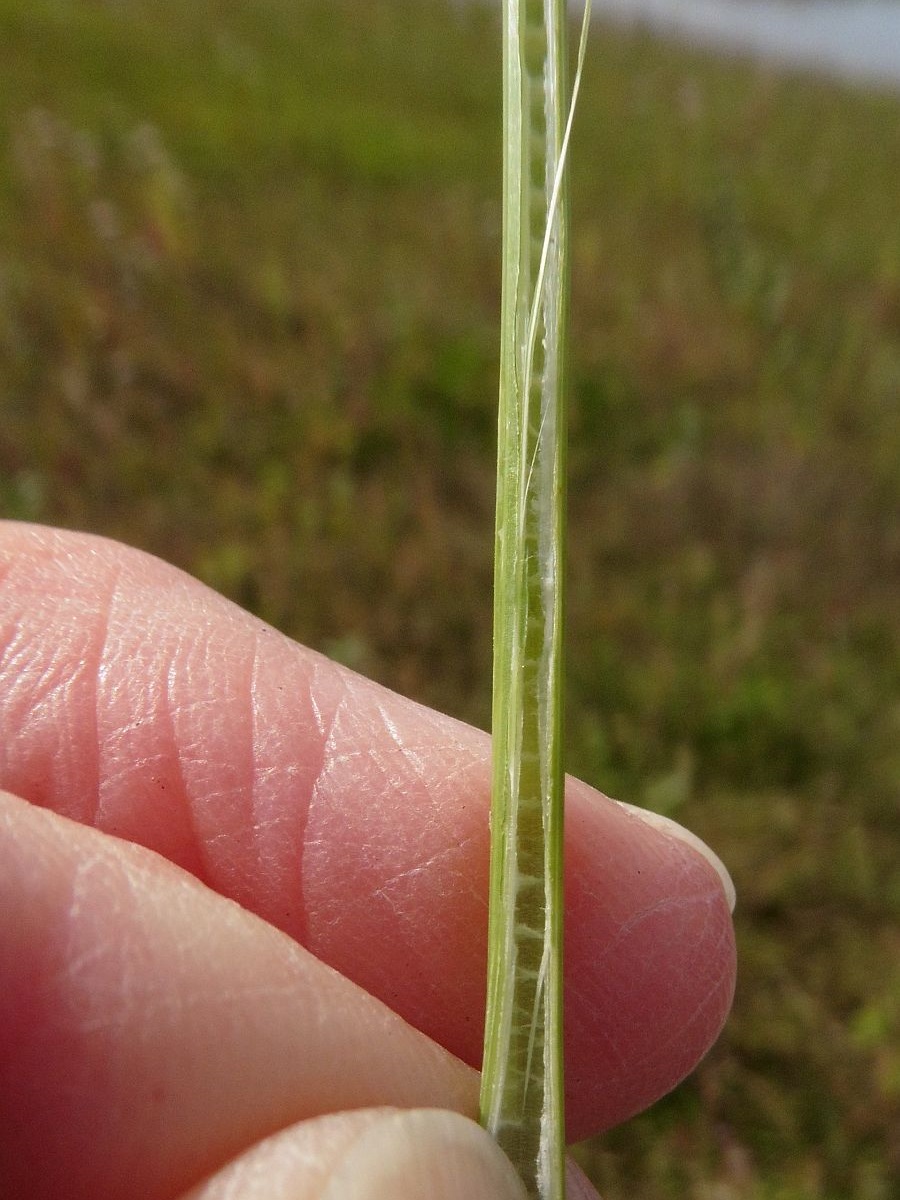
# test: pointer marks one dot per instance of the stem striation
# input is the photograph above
(522, 1083)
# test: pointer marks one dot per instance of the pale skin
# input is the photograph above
(243, 911)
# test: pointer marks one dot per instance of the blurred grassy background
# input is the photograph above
(248, 321)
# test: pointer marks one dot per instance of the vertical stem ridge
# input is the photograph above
(522, 1096)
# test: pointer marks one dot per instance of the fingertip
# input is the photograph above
(372, 1154)
(442, 1155)
(672, 829)
(425, 1152)
(293, 1164)
(649, 957)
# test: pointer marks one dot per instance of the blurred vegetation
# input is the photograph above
(248, 321)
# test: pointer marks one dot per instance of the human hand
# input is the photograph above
(156, 1036)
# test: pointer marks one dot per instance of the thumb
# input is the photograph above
(374, 1154)
(377, 1154)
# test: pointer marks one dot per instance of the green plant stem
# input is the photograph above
(522, 1084)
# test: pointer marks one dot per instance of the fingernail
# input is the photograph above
(424, 1152)
(672, 829)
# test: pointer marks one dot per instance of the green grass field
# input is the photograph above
(249, 306)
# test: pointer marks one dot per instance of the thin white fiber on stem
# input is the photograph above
(522, 1093)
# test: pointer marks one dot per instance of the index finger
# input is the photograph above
(136, 700)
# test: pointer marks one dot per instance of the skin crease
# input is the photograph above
(136, 701)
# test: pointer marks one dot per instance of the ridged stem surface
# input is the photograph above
(522, 1086)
